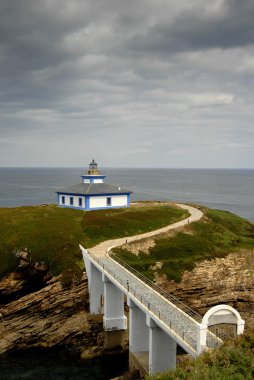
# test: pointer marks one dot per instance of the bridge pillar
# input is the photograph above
(162, 349)
(138, 329)
(95, 284)
(114, 318)
(96, 291)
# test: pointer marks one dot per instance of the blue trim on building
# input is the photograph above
(94, 195)
(88, 176)
(87, 203)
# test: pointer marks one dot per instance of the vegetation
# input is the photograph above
(52, 234)
(216, 235)
(234, 360)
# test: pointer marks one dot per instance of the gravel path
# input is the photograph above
(102, 248)
(183, 326)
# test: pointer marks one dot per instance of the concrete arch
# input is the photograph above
(223, 314)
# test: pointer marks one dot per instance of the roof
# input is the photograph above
(93, 189)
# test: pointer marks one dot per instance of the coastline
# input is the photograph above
(54, 316)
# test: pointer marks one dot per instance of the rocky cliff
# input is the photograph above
(228, 280)
(48, 317)
(54, 315)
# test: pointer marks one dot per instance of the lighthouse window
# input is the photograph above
(63, 200)
(80, 202)
(108, 201)
(71, 201)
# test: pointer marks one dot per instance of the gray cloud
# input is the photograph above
(200, 27)
(131, 83)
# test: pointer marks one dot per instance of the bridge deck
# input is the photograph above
(175, 317)
(179, 324)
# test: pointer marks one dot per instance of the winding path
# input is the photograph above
(168, 311)
(103, 248)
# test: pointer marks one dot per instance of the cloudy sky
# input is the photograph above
(133, 83)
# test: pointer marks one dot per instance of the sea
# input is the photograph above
(225, 189)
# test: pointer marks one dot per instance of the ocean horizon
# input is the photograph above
(225, 189)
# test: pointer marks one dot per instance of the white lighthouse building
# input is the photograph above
(93, 193)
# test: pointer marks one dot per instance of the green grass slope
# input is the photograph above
(217, 234)
(52, 234)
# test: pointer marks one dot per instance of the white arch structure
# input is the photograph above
(219, 314)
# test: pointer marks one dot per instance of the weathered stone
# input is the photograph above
(228, 280)
(47, 317)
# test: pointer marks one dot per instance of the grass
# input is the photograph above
(101, 225)
(52, 234)
(216, 235)
(234, 360)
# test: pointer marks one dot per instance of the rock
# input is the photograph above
(228, 280)
(53, 315)
(48, 317)
(9, 286)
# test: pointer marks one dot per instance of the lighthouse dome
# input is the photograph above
(93, 165)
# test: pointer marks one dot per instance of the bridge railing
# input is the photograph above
(213, 340)
(174, 300)
(162, 315)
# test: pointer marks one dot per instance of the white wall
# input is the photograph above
(101, 201)
(94, 180)
(119, 200)
(95, 202)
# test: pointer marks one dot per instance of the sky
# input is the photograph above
(144, 83)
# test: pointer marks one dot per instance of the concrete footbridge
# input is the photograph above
(158, 322)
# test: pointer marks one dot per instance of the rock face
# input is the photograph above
(53, 315)
(47, 317)
(228, 280)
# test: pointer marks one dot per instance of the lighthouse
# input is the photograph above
(93, 174)
(92, 193)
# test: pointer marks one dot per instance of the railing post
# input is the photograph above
(201, 337)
